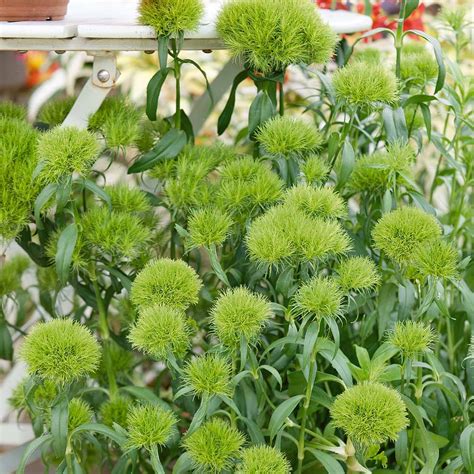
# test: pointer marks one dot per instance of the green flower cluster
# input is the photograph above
(418, 65)
(411, 338)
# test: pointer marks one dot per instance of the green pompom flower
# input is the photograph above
(166, 282)
(365, 85)
(357, 274)
(417, 65)
(315, 170)
(61, 351)
(171, 17)
(209, 374)
(10, 110)
(214, 446)
(399, 232)
(66, 150)
(287, 135)
(239, 313)
(80, 413)
(127, 199)
(411, 338)
(44, 394)
(115, 410)
(269, 35)
(11, 272)
(367, 55)
(320, 297)
(370, 413)
(321, 202)
(208, 226)
(161, 331)
(263, 460)
(54, 112)
(436, 258)
(149, 425)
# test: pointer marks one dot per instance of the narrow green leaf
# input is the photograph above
(153, 92)
(331, 465)
(410, 7)
(98, 191)
(30, 450)
(6, 343)
(347, 164)
(216, 266)
(183, 465)
(261, 109)
(66, 244)
(43, 197)
(466, 443)
(224, 118)
(101, 429)
(281, 413)
(59, 424)
(163, 42)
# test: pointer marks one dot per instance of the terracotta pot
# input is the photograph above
(28, 10)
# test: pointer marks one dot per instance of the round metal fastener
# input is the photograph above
(103, 75)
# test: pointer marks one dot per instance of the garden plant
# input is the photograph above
(299, 301)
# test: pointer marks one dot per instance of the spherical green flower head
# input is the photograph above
(437, 258)
(370, 413)
(118, 120)
(239, 313)
(80, 413)
(166, 282)
(209, 374)
(149, 425)
(399, 232)
(10, 110)
(208, 226)
(214, 446)
(115, 410)
(319, 298)
(263, 460)
(321, 202)
(367, 55)
(117, 234)
(11, 272)
(54, 112)
(455, 17)
(357, 274)
(128, 199)
(171, 17)
(64, 151)
(269, 35)
(61, 351)
(411, 338)
(288, 136)
(161, 331)
(418, 67)
(148, 134)
(365, 85)
(43, 396)
(315, 170)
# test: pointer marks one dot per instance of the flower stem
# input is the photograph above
(399, 37)
(177, 77)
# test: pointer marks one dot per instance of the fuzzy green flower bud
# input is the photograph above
(54, 112)
(365, 85)
(149, 425)
(127, 199)
(287, 135)
(272, 34)
(411, 338)
(357, 274)
(161, 331)
(370, 413)
(239, 313)
(399, 232)
(115, 410)
(10, 110)
(61, 351)
(80, 413)
(315, 170)
(263, 460)
(166, 282)
(320, 297)
(214, 446)
(209, 374)
(208, 226)
(11, 272)
(417, 65)
(43, 397)
(64, 151)
(171, 17)
(436, 258)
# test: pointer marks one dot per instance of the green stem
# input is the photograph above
(177, 77)
(282, 97)
(399, 37)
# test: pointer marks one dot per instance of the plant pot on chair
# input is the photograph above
(32, 10)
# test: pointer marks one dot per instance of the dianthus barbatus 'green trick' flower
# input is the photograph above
(239, 313)
(357, 274)
(161, 331)
(287, 135)
(149, 425)
(214, 446)
(367, 55)
(399, 232)
(11, 272)
(209, 374)
(365, 85)
(315, 169)
(320, 297)
(417, 65)
(80, 413)
(128, 199)
(263, 460)
(115, 410)
(171, 17)
(166, 282)
(43, 396)
(411, 338)
(54, 112)
(208, 226)
(61, 351)
(370, 413)
(10, 110)
(269, 35)
(437, 258)
(66, 150)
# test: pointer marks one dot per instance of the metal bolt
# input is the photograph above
(103, 75)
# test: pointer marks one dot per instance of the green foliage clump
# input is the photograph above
(80, 413)
(115, 410)
(399, 232)
(411, 338)
(315, 170)
(209, 374)
(11, 272)
(10, 110)
(357, 274)
(64, 151)
(171, 17)
(214, 446)
(161, 331)
(263, 460)
(43, 397)
(208, 226)
(370, 413)
(55, 111)
(362, 84)
(436, 258)
(269, 35)
(239, 313)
